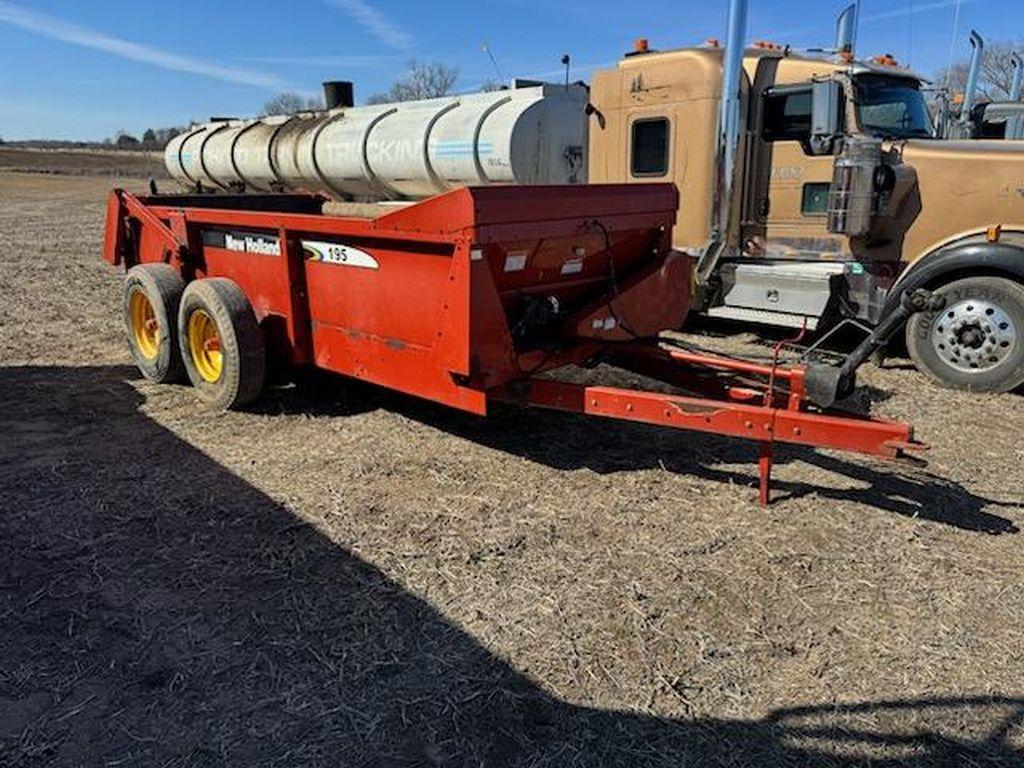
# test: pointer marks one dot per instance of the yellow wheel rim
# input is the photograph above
(204, 346)
(145, 328)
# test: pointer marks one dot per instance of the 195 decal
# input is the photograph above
(339, 254)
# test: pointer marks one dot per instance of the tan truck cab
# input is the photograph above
(843, 198)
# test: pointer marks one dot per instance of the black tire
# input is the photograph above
(152, 293)
(217, 305)
(987, 308)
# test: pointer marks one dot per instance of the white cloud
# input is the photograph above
(68, 32)
(376, 23)
(902, 13)
(890, 15)
(328, 60)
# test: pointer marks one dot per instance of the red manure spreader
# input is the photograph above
(475, 296)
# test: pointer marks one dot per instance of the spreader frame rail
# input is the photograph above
(760, 415)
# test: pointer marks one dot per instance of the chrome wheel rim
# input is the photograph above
(973, 335)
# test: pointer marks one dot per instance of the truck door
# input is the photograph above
(788, 202)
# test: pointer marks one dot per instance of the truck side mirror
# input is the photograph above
(826, 116)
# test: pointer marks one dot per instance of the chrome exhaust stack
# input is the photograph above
(728, 140)
(1018, 78)
(973, 76)
(846, 32)
(1015, 123)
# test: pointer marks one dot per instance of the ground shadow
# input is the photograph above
(567, 441)
(156, 610)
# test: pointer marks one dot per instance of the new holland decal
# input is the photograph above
(336, 253)
(243, 242)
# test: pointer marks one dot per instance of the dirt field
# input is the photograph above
(343, 577)
(73, 162)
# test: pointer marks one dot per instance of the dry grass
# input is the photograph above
(112, 164)
(348, 577)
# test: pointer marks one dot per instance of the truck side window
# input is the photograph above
(650, 147)
(787, 115)
(814, 200)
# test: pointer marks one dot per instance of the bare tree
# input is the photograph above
(996, 72)
(423, 80)
(289, 103)
(490, 84)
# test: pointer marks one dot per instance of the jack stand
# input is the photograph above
(764, 467)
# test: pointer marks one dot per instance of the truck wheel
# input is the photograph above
(152, 293)
(977, 342)
(222, 345)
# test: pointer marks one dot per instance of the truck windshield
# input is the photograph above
(892, 108)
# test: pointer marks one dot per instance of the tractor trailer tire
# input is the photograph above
(222, 344)
(152, 293)
(976, 342)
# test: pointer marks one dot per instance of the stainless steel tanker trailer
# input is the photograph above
(533, 134)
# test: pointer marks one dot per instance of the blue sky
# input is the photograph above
(74, 69)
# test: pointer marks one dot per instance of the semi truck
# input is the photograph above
(963, 116)
(825, 196)
(814, 188)
(998, 120)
